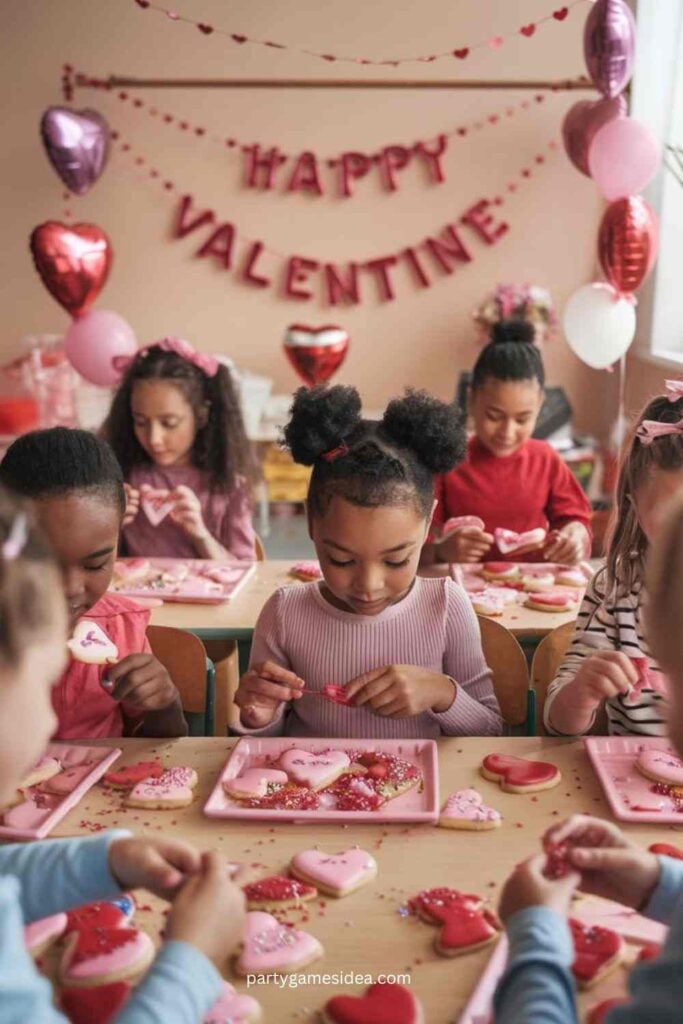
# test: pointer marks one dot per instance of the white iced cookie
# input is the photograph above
(91, 645)
(466, 809)
(537, 582)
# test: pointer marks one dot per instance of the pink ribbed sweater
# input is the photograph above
(434, 626)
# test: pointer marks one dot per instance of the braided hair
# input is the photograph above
(510, 355)
(373, 462)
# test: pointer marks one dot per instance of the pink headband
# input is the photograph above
(651, 429)
(673, 389)
(207, 364)
(15, 542)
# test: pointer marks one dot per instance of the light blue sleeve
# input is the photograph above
(537, 986)
(57, 874)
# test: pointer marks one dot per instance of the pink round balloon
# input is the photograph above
(581, 124)
(623, 158)
(94, 340)
(609, 43)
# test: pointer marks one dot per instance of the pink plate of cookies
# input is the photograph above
(328, 780)
(59, 780)
(642, 777)
(191, 580)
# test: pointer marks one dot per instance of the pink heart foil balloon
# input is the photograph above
(77, 145)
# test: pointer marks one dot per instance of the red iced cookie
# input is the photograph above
(597, 1013)
(277, 891)
(383, 1003)
(101, 1004)
(556, 864)
(96, 915)
(130, 775)
(517, 775)
(667, 850)
(597, 951)
(288, 798)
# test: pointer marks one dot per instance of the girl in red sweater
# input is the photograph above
(509, 480)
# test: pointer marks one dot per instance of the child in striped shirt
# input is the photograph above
(404, 651)
(608, 661)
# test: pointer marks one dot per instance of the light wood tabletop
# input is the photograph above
(366, 933)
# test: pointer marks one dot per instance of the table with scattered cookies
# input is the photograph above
(371, 913)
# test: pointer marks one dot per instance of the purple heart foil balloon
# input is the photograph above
(77, 144)
(581, 124)
(609, 43)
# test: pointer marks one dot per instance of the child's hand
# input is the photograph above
(401, 691)
(132, 504)
(158, 865)
(468, 544)
(187, 513)
(261, 691)
(611, 865)
(141, 680)
(567, 545)
(208, 912)
(602, 675)
(528, 887)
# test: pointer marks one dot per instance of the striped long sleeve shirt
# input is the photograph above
(612, 623)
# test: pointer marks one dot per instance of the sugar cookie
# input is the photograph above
(553, 601)
(660, 766)
(568, 577)
(508, 541)
(39, 935)
(466, 924)
(306, 571)
(255, 783)
(130, 774)
(277, 892)
(156, 503)
(501, 571)
(315, 771)
(597, 951)
(101, 1004)
(466, 809)
(460, 523)
(233, 1008)
(43, 770)
(270, 946)
(382, 1003)
(172, 789)
(90, 644)
(536, 582)
(389, 775)
(98, 956)
(104, 914)
(336, 874)
(133, 570)
(518, 775)
(485, 604)
(68, 780)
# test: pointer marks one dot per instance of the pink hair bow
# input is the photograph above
(651, 429)
(674, 389)
(207, 364)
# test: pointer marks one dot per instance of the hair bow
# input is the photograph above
(649, 430)
(673, 389)
(16, 539)
(209, 365)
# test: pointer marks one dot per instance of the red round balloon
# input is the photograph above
(73, 262)
(316, 352)
(628, 243)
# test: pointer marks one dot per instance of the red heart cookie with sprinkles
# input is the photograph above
(465, 928)
(131, 774)
(517, 775)
(96, 915)
(277, 891)
(96, 954)
(101, 1004)
(597, 951)
(383, 1003)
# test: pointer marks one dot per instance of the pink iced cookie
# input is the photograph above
(68, 780)
(466, 809)
(508, 541)
(233, 1008)
(132, 570)
(571, 577)
(172, 789)
(460, 523)
(255, 783)
(98, 956)
(197, 587)
(315, 771)
(39, 935)
(223, 574)
(538, 581)
(30, 814)
(306, 570)
(553, 601)
(486, 604)
(661, 766)
(271, 946)
(91, 645)
(335, 874)
(156, 504)
(500, 571)
(43, 770)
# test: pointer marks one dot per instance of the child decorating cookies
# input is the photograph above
(405, 650)
(509, 480)
(608, 663)
(176, 428)
(537, 987)
(45, 878)
(76, 488)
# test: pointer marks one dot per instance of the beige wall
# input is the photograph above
(423, 337)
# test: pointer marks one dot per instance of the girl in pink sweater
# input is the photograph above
(403, 652)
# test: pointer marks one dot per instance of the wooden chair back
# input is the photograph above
(544, 667)
(259, 549)
(183, 656)
(509, 669)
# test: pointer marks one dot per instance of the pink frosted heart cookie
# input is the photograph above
(67, 781)
(233, 1008)
(316, 771)
(335, 874)
(306, 571)
(197, 587)
(536, 582)
(661, 766)
(172, 789)
(501, 571)
(486, 604)
(569, 576)
(39, 935)
(270, 946)
(508, 541)
(255, 783)
(459, 523)
(156, 504)
(277, 892)
(43, 770)
(553, 601)
(98, 956)
(91, 645)
(131, 570)
(466, 809)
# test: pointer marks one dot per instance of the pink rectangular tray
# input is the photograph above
(238, 574)
(420, 804)
(70, 754)
(613, 759)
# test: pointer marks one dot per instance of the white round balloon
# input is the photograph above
(599, 324)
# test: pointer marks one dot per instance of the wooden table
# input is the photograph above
(236, 619)
(364, 932)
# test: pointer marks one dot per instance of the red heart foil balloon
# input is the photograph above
(73, 262)
(383, 1003)
(316, 352)
(628, 243)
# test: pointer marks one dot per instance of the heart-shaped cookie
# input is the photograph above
(661, 766)
(464, 928)
(517, 775)
(98, 954)
(307, 570)
(233, 1008)
(277, 892)
(131, 570)
(597, 951)
(508, 541)
(383, 1003)
(466, 809)
(172, 789)
(459, 523)
(553, 601)
(90, 644)
(101, 1004)
(105, 914)
(335, 874)
(43, 770)
(68, 780)
(156, 504)
(271, 946)
(255, 783)
(39, 935)
(314, 770)
(500, 571)
(130, 774)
